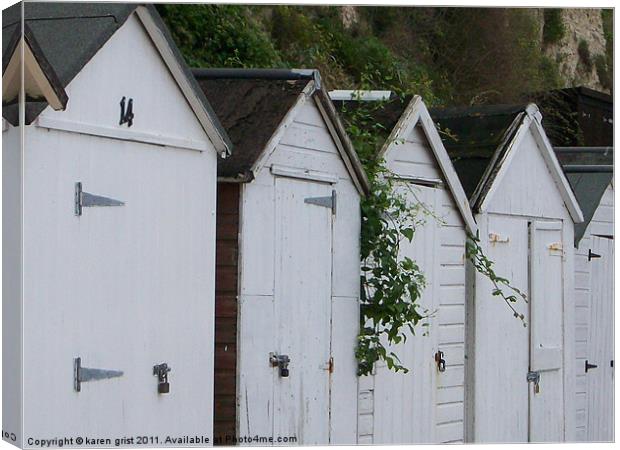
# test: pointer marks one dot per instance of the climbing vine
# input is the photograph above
(482, 264)
(392, 283)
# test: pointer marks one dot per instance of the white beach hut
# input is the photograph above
(519, 379)
(589, 171)
(288, 260)
(109, 190)
(427, 403)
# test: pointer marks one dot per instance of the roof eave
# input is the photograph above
(327, 107)
(169, 52)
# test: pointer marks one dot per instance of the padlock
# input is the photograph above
(161, 372)
(281, 362)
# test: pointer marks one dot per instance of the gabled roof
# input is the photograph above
(480, 141)
(472, 135)
(397, 117)
(589, 171)
(576, 116)
(254, 104)
(40, 79)
(70, 34)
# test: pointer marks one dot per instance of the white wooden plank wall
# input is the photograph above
(306, 144)
(450, 395)
(413, 157)
(602, 223)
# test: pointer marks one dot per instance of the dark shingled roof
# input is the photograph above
(251, 110)
(588, 186)
(576, 116)
(475, 137)
(386, 113)
(70, 34)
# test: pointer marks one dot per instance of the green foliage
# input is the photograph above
(553, 27)
(447, 55)
(219, 36)
(605, 66)
(583, 50)
(484, 265)
(391, 283)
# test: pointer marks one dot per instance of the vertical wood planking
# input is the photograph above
(226, 283)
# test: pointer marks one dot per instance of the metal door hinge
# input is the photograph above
(326, 202)
(85, 374)
(592, 255)
(590, 366)
(85, 199)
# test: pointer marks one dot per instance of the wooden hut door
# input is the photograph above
(302, 307)
(404, 403)
(600, 379)
(546, 394)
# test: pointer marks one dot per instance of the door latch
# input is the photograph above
(592, 255)
(281, 362)
(590, 366)
(161, 372)
(441, 363)
(534, 377)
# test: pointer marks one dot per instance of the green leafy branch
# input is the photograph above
(484, 265)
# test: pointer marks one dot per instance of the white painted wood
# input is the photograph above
(120, 133)
(530, 129)
(546, 333)
(512, 196)
(122, 287)
(602, 224)
(311, 175)
(501, 354)
(172, 63)
(301, 275)
(405, 403)
(600, 381)
(12, 386)
(119, 70)
(410, 408)
(498, 407)
(302, 306)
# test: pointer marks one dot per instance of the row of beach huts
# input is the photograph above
(181, 253)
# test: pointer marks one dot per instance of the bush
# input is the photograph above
(583, 50)
(219, 36)
(553, 27)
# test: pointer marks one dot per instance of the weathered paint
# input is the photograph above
(123, 288)
(12, 385)
(600, 380)
(524, 225)
(289, 251)
(590, 316)
(424, 405)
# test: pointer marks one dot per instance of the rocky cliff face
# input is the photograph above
(581, 51)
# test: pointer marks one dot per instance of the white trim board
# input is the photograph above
(120, 133)
(531, 121)
(416, 112)
(171, 62)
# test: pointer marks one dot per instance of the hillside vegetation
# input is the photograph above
(451, 56)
